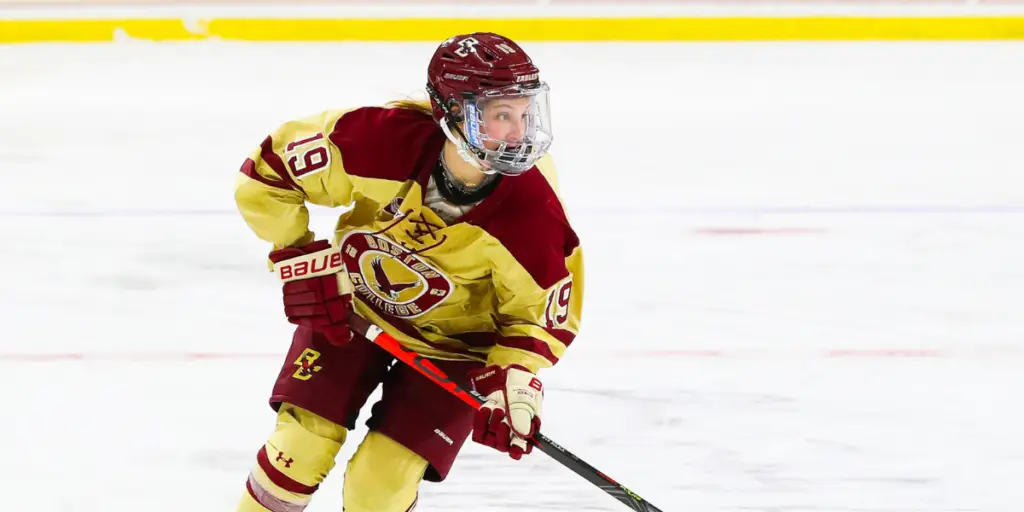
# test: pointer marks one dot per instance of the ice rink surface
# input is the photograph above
(804, 274)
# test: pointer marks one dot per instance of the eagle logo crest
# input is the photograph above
(384, 284)
(390, 278)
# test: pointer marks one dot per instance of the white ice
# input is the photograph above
(804, 274)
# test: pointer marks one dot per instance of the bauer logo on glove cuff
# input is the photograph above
(320, 263)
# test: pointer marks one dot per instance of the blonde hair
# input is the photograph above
(421, 106)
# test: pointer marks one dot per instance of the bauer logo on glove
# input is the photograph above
(317, 293)
(327, 261)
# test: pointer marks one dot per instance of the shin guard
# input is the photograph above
(290, 466)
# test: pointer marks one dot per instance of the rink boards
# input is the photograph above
(525, 21)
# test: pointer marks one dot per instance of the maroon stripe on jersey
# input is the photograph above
(275, 162)
(280, 479)
(566, 337)
(477, 339)
(530, 345)
(269, 501)
(489, 339)
(249, 169)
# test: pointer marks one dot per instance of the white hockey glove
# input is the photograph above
(511, 416)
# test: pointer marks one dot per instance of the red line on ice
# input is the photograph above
(730, 353)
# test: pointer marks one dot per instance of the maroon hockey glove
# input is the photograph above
(317, 293)
(511, 415)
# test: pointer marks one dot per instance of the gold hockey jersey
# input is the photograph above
(502, 284)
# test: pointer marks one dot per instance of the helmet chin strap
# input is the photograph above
(462, 147)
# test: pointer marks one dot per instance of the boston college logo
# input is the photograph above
(390, 278)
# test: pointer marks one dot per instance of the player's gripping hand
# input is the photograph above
(511, 415)
(317, 293)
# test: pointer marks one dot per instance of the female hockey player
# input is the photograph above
(455, 243)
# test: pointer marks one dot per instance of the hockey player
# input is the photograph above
(456, 244)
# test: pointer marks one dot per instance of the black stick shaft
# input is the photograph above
(423, 365)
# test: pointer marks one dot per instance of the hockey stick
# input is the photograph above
(377, 336)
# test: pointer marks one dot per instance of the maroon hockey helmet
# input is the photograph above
(487, 89)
